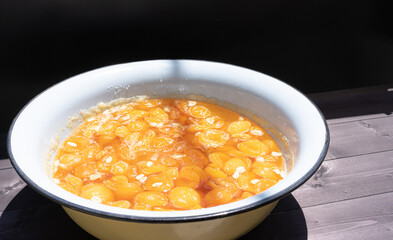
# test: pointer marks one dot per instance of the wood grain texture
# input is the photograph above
(360, 218)
(348, 178)
(10, 185)
(360, 137)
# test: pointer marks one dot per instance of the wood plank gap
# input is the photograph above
(295, 208)
(344, 200)
(365, 218)
(358, 155)
(5, 163)
(354, 120)
(360, 137)
(6, 168)
(349, 178)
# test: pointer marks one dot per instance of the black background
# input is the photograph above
(315, 46)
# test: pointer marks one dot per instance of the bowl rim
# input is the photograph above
(177, 219)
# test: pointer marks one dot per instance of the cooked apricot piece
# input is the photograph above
(168, 161)
(91, 151)
(199, 111)
(85, 170)
(218, 196)
(234, 165)
(238, 127)
(272, 145)
(107, 128)
(256, 131)
(122, 131)
(262, 184)
(74, 181)
(68, 160)
(120, 204)
(105, 163)
(203, 176)
(90, 128)
(158, 113)
(183, 106)
(135, 114)
(215, 172)
(132, 171)
(268, 170)
(213, 138)
(159, 183)
(187, 178)
(267, 173)
(244, 181)
(265, 165)
(75, 144)
(97, 192)
(246, 195)
(138, 125)
(171, 172)
(229, 184)
(147, 104)
(184, 198)
(119, 168)
(148, 136)
(148, 199)
(173, 130)
(126, 150)
(253, 147)
(241, 137)
(162, 142)
(197, 157)
(122, 188)
(68, 187)
(212, 122)
(219, 158)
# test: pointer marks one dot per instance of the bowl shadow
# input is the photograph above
(32, 216)
(286, 221)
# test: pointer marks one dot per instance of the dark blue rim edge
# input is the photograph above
(205, 217)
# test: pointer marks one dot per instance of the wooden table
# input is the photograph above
(349, 197)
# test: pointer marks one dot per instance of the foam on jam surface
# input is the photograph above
(167, 154)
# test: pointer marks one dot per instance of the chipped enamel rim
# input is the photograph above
(26, 150)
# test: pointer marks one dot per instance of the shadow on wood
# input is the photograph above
(287, 221)
(355, 102)
(31, 216)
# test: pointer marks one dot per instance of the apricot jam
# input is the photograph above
(167, 154)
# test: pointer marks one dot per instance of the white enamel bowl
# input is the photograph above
(280, 108)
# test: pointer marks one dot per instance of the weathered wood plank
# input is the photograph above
(5, 163)
(348, 178)
(360, 137)
(362, 218)
(10, 185)
(356, 118)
